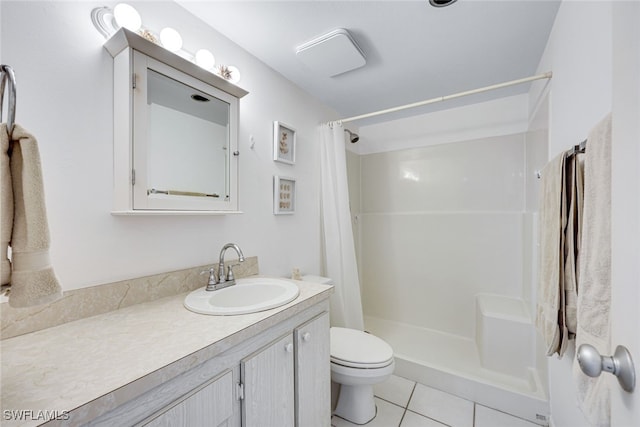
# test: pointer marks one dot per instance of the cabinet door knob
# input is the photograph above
(306, 336)
(289, 348)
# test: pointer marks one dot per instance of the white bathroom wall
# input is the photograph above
(65, 99)
(579, 52)
(440, 224)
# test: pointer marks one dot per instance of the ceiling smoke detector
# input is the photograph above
(331, 54)
(441, 3)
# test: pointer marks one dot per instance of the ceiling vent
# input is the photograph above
(331, 54)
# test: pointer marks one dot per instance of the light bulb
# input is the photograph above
(170, 39)
(205, 59)
(234, 74)
(126, 16)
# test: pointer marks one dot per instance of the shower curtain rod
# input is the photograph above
(546, 75)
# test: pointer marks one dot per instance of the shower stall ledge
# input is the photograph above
(504, 335)
(454, 365)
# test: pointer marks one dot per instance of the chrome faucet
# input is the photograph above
(227, 279)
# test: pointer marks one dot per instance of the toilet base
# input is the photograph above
(356, 404)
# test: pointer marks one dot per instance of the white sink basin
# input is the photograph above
(248, 295)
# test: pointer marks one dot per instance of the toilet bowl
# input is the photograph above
(358, 361)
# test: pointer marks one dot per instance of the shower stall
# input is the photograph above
(446, 245)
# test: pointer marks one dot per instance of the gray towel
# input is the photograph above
(6, 200)
(32, 278)
(572, 236)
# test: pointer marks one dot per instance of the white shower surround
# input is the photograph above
(437, 227)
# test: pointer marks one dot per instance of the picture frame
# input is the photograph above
(284, 195)
(284, 143)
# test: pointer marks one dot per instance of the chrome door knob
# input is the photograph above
(620, 365)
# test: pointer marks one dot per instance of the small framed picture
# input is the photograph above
(284, 143)
(284, 195)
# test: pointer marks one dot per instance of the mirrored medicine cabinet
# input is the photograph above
(175, 132)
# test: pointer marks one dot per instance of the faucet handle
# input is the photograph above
(212, 278)
(230, 276)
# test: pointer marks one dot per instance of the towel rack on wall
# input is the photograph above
(580, 148)
(7, 75)
(577, 149)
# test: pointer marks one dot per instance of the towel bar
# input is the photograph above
(580, 148)
(7, 74)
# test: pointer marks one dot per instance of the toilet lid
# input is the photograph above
(350, 347)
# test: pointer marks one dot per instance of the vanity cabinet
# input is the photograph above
(277, 378)
(288, 383)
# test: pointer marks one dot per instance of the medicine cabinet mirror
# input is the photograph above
(175, 132)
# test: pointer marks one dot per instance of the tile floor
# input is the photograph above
(405, 403)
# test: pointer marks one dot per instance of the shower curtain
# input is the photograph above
(339, 255)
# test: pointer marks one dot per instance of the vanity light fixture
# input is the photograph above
(108, 21)
(104, 21)
(171, 39)
(127, 16)
(205, 59)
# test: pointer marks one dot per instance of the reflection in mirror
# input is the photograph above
(188, 147)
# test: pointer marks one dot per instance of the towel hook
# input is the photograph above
(8, 75)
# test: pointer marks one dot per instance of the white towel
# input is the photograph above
(594, 292)
(561, 205)
(33, 281)
(550, 276)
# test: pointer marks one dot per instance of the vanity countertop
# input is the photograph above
(113, 356)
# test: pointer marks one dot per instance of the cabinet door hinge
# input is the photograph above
(133, 177)
(133, 81)
(240, 391)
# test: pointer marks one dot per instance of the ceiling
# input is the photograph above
(413, 50)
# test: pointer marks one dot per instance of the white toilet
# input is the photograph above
(358, 361)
